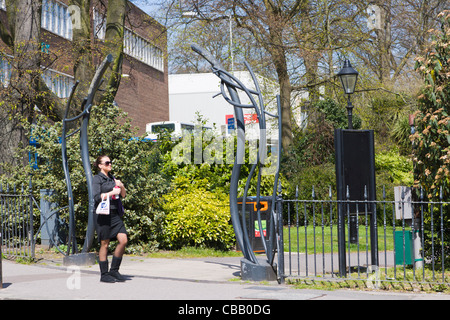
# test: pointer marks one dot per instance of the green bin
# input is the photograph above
(408, 252)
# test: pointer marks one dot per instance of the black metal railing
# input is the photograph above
(412, 242)
(16, 222)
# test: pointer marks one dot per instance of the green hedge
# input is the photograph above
(197, 217)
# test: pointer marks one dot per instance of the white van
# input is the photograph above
(175, 128)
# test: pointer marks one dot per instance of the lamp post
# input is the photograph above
(348, 77)
(355, 177)
(230, 17)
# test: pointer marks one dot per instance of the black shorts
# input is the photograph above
(109, 226)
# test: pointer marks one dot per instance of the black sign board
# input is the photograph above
(355, 180)
(355, 166)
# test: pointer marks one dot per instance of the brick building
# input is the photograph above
(143, 91)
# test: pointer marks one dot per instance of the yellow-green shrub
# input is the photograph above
(197, 217)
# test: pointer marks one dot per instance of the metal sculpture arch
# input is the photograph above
(84, 151)
(252, 268)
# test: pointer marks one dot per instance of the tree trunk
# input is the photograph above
(114, 41)
(83, 68)
(384, 42)
(286, 113)
(280, 62)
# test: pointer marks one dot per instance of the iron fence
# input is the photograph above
(412, 236)
(412, 239)
(16, 222)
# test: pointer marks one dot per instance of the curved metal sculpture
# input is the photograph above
(84, 150)
(251, 267)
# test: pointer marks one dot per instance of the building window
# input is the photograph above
(56, 18)
(144, 51)
(59, 83)
(134, 45)
(99, 24)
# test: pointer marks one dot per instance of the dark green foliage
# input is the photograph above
(336, 114)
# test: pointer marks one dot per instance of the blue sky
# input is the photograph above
(146, 5)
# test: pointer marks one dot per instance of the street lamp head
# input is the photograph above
(348, 77)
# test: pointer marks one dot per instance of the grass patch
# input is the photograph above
(397, 279)
(325, 239)
(193, 252)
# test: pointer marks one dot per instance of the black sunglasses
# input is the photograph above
(107, 163)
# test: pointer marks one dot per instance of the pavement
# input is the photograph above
(166, 279)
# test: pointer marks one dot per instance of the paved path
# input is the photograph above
(165, 279)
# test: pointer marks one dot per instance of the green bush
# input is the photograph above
(198, 207)
(336, 114)
(321, 178)
(197, 217)
(398, 167)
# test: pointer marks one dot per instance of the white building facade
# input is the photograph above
(191, 95)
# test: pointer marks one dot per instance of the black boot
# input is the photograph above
(104, 274)
(114, 271)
